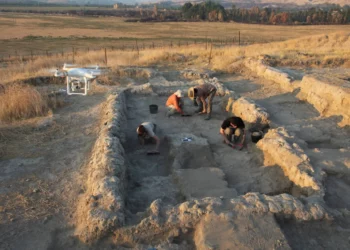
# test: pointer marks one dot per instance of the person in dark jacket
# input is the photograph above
(233, 131)
(199, 94)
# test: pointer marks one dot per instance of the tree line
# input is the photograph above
(211, 11)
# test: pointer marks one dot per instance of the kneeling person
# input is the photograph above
(145, 132)
(233, 127)
(175, 104)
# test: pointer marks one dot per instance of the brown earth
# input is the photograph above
(47, 156)
(41, 176)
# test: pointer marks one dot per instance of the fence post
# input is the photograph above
(138, 52)
(239, 38)
(211, 48)
(206, 42)
(106, 56)
(73, 54)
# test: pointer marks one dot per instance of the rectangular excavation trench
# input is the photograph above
(213, 170)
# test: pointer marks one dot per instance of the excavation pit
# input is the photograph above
(201, 167)
(152, 199)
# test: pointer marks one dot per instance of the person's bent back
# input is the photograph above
(146, 131)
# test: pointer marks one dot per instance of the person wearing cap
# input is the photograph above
(232, 130)
(145, 132)
(175, 103)
(199, 94)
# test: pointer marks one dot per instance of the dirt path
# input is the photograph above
(40, 174)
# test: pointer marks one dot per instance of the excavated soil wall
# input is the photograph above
(101, 208)
(330, 96)
(270, 73)
(293, 160)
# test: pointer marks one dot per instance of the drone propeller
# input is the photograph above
(52, 70)
(68, 66)
(73, 70)
(55, 72)
(59, 73)
(93, 66)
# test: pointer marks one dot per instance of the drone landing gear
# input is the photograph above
(75, 84)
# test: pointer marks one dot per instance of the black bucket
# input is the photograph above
(153, 109)
(256, 136)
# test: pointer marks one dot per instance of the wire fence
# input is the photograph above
(73, 52)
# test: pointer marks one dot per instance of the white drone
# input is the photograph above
(78, 79)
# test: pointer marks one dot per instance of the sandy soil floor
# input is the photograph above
(244, 170)
(40, 176)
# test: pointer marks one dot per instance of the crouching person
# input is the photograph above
(175, 104)
(146, 134)
(233, 131)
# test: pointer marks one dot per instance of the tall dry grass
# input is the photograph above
(19, 101)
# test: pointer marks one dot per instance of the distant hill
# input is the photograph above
(225, 3)
(250, 3)
(99, 2)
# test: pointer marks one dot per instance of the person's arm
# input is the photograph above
(178, 108)
(222, 132)
(202, 99)
(157, 142)
(141, 140)
(241, 144)
(195, 102)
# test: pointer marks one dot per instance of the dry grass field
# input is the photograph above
(24, 33)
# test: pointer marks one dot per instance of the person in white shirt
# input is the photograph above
(145, 132)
